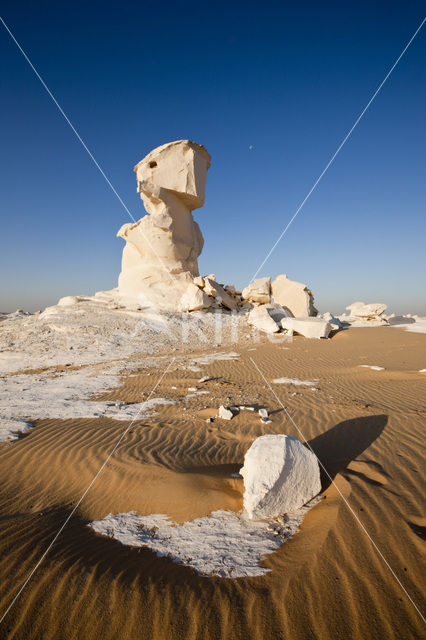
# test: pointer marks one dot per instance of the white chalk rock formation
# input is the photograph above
(160, 256)
(280, 475)
(295, 296)
(258, 291)
(335, 322)
(260, 319)
(308, 327)
(216, 291)
(370, 311)
(194, 299)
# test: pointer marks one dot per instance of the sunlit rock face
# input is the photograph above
(162, 248)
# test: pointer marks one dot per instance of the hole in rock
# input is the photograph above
(152, 164)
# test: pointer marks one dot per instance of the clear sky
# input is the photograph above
(270, 89)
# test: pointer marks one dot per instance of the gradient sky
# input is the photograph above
(270, 89)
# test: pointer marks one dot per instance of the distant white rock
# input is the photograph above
(68, 301)
(294, 296)
(295, 381)
(308, 327)
(280, 475)
(258, 291)
(372, 366)
(260, 318)
(370, 311)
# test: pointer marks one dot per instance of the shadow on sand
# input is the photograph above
(341, 444)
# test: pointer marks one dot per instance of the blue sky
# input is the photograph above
(270, 89)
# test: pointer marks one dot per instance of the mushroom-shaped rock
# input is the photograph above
(258, 291)
(260, 319)
(295, 296)
(280, 475)
(160, 256)
(308, 327)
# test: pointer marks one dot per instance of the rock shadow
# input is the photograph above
(338, 446)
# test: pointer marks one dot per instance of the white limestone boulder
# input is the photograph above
(260, 319)
(258, 291)
(194, 299)
(368, 311)
(308, 327)
(280, 475)
(295, 296)
(335, 322)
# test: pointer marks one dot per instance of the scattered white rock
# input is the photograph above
(308, 327)
(204, 379)
(280, 475)
(225, 413)
(260, 319)
(265, 420)
(245, 408)
(216, 291)
(294, 296)
(295, 381)
(372, 366)
(263, 413)
(258, 291)
(192, 389)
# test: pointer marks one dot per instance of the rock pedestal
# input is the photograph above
(160, 256)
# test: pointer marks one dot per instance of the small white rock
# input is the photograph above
(225, 413)
(263, 413)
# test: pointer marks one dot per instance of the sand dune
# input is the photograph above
(367, 428)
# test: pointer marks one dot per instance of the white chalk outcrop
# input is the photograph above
(258, 291)
(370, 312)
(307, 327)
(294, 296)
(260, 319)
(160, 256)
(280, 475)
